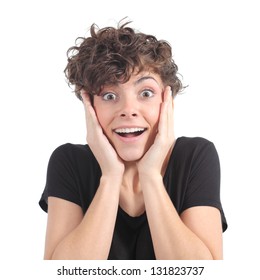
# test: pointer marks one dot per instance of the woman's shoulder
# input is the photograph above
(73, 152)
(192, 142)
(72, 148)
(190, 147)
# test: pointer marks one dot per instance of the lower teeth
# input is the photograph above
(133, 134)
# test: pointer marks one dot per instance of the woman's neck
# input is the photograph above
(131, 179)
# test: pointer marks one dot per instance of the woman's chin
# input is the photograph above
(130, 157)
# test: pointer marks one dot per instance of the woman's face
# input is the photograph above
(129, 114)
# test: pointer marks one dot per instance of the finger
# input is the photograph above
(168, 123)
(85, 97)
(163, 118)
(91, 118)
(170, 103)
(162, 124)
(167, 94)
(87, 103)
(167, 110)
(170, 116)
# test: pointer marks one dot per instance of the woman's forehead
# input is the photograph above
(139, 78)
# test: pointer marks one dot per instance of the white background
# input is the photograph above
(216, 46)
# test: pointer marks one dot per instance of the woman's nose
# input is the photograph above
(129, 109)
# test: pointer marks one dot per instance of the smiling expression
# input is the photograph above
(129, 113)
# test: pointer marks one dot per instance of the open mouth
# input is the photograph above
(130, 132)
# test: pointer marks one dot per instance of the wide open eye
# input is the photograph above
(109, 96)
(147, 93)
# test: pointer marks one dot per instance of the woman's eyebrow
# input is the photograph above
(143, 79)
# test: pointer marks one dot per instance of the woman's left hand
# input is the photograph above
(152, 163)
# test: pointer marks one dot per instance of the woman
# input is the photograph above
(134, 192)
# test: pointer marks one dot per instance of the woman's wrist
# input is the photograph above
(148, 178)
(114, 180)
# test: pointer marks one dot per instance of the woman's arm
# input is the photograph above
(70, 235)
(196, 234)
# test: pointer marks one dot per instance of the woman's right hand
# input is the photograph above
(110, 163)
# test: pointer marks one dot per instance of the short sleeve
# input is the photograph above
(61, 178)
(204, 181)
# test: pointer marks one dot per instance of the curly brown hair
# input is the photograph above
(111, 55)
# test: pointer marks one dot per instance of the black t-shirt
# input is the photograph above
(192, 178)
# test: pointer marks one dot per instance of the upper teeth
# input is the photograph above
(129, 130)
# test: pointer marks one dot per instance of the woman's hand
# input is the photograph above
(110, 164)
(152, 163)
